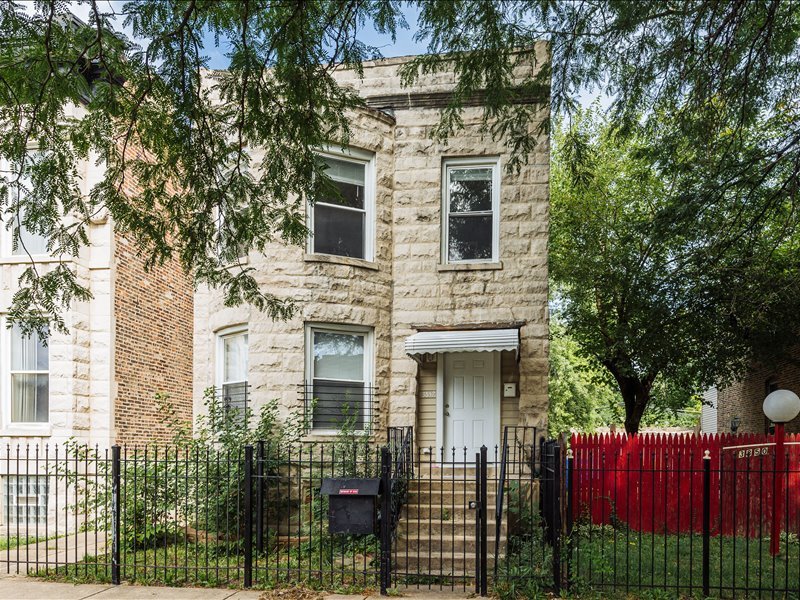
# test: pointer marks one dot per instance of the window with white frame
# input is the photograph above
(342, 224)
(230, 249)
(30, 378)
(28, 242)
(232, 368)
(338, 377)
(471, 223)
(25, 499)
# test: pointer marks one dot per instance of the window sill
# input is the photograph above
(30, 430)
(242, 260)
(37, 258)
(487, 266)
(341, 260)
(327, 435)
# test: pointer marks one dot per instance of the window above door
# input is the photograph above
(471, 210)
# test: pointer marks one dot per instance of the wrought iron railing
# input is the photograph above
(331, 406)
(518, 453)
(401, 445)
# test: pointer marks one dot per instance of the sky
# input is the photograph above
(404, 44)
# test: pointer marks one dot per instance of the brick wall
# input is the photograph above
(744, 398)
(153, 314)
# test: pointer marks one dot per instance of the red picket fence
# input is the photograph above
(654, 482)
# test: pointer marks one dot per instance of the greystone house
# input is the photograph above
(422, 292)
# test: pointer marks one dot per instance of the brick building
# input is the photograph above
(742, 401)
(97, 383)
(422, 292)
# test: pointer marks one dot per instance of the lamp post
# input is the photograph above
(780, 407)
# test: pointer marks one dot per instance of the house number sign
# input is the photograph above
(428, 394)
(752, 452)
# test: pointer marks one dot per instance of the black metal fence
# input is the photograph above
(184, 515)
(684, 526)
(518, 518)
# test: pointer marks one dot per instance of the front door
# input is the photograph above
(471, 401)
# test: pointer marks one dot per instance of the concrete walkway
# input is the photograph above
(25, 588)
(57, 551)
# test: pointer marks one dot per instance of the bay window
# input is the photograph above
(28, 242)
(339, 370)
(30, 378)
(342, 224)
(232, 365)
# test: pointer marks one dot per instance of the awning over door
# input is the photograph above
(470, 340)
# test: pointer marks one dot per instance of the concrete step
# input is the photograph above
(443, 528)
(445, 512)
(450, 470)
(442, 543)
(439, 563)
(460, 483)
(436, 495)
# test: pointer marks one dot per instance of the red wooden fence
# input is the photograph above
(654, 482)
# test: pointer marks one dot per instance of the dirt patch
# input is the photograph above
(292, 593)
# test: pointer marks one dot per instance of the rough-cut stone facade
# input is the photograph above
(406, 288)
(744, 399)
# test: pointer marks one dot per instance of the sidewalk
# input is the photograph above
(56, 551)
(24, 588)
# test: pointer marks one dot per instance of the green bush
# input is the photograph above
(189, 487)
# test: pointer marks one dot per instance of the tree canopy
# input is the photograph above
(584, 397)
(721, 70)
(636, 284)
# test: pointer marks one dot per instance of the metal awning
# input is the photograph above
(470, 340)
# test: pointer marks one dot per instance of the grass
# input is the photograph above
(347, 566)
(604, 558)
(13, 542)
(606, 562)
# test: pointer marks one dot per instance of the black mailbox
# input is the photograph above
(352, 505)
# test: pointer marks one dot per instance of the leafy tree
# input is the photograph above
(638, 292)
(581, 396)
(720, 69)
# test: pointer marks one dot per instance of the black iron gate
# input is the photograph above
(460, 520)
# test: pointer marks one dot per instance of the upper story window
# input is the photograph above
(343, 226)
(28, 242)
(338, 368)
(232, 368)
(471, 224)
(230, 249)
(30, 378)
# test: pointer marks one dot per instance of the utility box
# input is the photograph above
(352, 505)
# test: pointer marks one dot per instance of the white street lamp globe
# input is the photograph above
(781, 406)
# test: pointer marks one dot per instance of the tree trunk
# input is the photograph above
(636, 395)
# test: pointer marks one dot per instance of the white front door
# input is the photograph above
(471, 402)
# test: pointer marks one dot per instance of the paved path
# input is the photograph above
(57, 551)
(24, 588)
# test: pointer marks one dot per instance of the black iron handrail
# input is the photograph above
(400, 441)
(518, 446)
